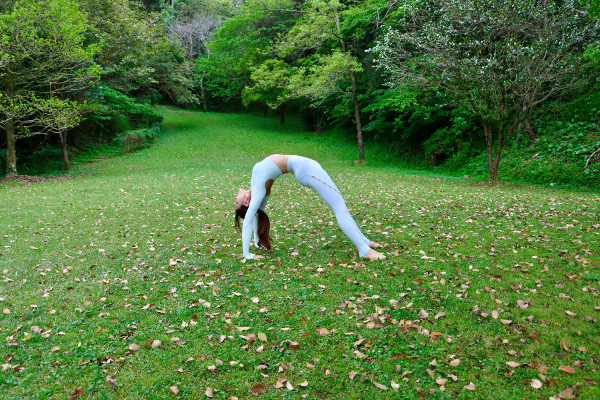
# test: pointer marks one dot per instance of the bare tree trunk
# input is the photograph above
(526, 112)
(532, 134)
(281, 110)
(203, 95)
(359, 133)
(11, 148)
(491, 162)
(63, 148)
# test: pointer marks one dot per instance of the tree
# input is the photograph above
(192, 30)
(43, 58)
(137, 56)
(498, 60)
(323, 52)
(242, 43)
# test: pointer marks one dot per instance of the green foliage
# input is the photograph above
(138, 138)
(471, 50)
(116, 112)
(241, 44)
(137, 57)
(45, 66)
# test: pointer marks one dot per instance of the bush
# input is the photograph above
(138, 138)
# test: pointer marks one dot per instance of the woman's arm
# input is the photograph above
(247, 228)
(260, 207)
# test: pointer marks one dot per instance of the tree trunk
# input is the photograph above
(203, 95)
(63, 149)
(532, 134)
(281, 110)
(359, 133)
(491, 161)
(526, 113)
(11, 148)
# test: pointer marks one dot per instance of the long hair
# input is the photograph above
(263, 225)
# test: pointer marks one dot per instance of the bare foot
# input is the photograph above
(374, 255)
(374, 245)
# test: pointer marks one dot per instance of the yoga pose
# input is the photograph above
(250, 204)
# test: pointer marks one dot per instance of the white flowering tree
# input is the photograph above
(497, 59)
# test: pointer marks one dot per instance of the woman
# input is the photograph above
(252, 202)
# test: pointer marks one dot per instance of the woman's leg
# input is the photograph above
(320, 181)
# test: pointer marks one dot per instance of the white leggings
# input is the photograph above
(310, 173)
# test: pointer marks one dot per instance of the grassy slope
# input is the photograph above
(143, 249)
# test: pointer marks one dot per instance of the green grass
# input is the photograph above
(141, 247)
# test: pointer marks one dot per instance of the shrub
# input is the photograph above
(138, 138)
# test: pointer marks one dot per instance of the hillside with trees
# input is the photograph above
(499, 90)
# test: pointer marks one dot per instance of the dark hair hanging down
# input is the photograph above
(263, 226)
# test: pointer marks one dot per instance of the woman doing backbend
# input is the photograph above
(250, 204)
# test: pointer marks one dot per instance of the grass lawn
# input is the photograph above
(126, 282)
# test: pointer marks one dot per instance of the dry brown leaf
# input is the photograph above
(352, 374)
(455, 362)
(380, 386)
(322, 331)
(174, 389)
(262, 337)
(155, 343)
(75, 394)
(134, 347)
(563, 345)
(209, 393)
(470, 386)
(177, 340)
(513, 364)
(506, 321)
(495, 314)
(568, 393)
(257, 389)
(536, 384)
(567, 369)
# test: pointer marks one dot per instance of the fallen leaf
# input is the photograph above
(568, 393)
(536, 383)
(513, 364)
(322, 331)
(380, 386)
(209, 393)
(75, 394)
(470, 386)
(567, 369)
(262, 337)
(455, 362)
(257, 389)
(174, 389)
(155, 343)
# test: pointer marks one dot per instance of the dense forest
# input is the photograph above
(497, 89)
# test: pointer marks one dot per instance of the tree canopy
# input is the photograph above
(452, 84)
